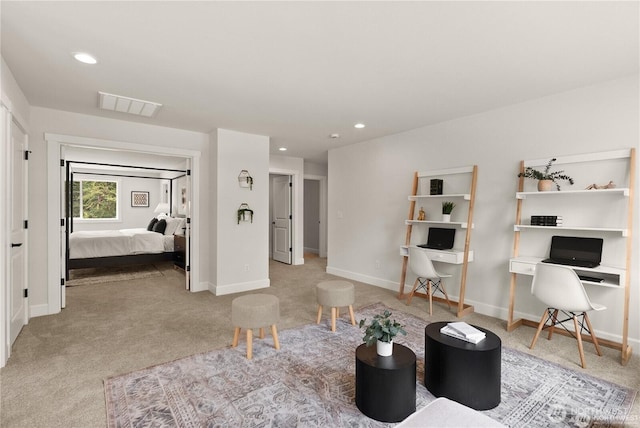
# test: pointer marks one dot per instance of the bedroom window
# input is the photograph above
(95, 199)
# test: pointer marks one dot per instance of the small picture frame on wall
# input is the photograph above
(139, 199)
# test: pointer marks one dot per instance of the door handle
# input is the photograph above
(16, 245)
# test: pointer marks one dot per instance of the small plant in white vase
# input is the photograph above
(381, 331)
(447, 208)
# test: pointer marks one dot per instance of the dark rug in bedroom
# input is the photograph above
(111, 274)
(310, 382)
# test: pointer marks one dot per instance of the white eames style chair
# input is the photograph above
(559, 288)
(427, 277)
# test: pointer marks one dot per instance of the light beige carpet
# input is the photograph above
(111, 274)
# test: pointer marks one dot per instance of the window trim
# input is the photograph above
(117, 219)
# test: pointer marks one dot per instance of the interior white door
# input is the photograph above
(281, 204)
(18, 257)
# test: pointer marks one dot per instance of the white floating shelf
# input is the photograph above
(462, 225)
(623, 232)
(465, 196)
(624, 191)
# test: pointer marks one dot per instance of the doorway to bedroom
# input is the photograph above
(153, 185)
(125, 215)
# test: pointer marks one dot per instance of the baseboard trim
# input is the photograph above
(221, 290)
(38, 310)
(371, 280)
(479, 307)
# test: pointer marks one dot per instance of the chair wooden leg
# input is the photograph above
(413, 290)
(274, 333)
(337, 312)
(353, 319)
(261, 332)
(543, 320)
(593, 336)
(445, 293)
(249, 344)
(236, 336)
(554, 321)
(579, 339)
(319, 314)
(333, 319)
(430, 293)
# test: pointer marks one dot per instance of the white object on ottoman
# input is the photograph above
(445, 413)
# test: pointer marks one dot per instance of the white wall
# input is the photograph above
(13, 97)
(311, 168)
(241, 250)
(66, 123)
(369, 184)
(295, 167)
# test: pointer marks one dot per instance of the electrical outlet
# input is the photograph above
(377, 264)
(246, 268)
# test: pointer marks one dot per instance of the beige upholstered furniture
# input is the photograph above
(445, 413)
(335, 295)
(255, 311)
(559, 288)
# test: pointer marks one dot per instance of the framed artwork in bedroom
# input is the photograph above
(140, 199)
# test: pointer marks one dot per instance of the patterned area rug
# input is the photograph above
(310, 382)
(111, 274)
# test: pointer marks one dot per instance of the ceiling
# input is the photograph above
(300, 71)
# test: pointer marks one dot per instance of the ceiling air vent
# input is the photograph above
(128, 105)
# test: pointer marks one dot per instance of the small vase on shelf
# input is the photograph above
(545, 185)
(446, 218)
(384, 349)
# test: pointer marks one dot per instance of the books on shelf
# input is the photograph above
(462, 330)
(546, 220)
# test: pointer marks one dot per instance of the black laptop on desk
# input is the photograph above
(574, 251)
(439, 238)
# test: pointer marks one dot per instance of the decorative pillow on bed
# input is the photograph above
(152, 223)
(160, 226)
(172, 225)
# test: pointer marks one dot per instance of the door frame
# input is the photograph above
(54, 143)
(272, 210)
(323, 212)
(6, 121)
(297, 242)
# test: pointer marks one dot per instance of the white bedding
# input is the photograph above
(123, 242)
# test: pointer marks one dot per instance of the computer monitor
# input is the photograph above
(440, 238)
(575, 251)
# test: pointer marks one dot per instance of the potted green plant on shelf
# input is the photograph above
(447, 208)
(381, 331)
(546, 178)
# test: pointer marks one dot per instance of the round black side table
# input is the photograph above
(461, 371)
(386, 386)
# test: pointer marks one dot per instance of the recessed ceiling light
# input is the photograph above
(85, 58)
(334, 136)
(359, 125)
(283, 149)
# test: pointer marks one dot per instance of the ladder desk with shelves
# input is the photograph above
(457, 256)
(608, 274)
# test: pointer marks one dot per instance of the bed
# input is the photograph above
(123, 247)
